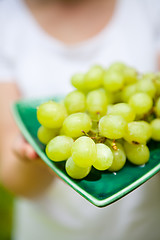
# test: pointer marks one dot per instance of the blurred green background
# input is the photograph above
(6, 211)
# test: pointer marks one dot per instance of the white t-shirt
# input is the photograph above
(42, 66)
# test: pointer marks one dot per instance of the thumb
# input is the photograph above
(23, 148)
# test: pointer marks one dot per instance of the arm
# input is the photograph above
(20, 172)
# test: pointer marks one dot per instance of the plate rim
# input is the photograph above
(67, 179)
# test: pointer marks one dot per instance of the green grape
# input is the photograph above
(112, 126)
(138, 132)
(109, 108)
(156, 82)
(127, 92)
(95, 118)
(141, 103)
(61, 131)
(137, 154)
(155, 125)
(113, 81)
(117, 97)
(75, 102)
(76, 124)
(124, 110)
(46, 134)
(155, 78)
(157, 107)
(97, 102)
(75, 171)
(104, 157)
(93, 78)
(117, 66)
(130, 75)
(150, 76)
(147, 86)
(110, 97)
(84, 152)
(51, 114)
(77, 81)
(119, 158)
(59, 148)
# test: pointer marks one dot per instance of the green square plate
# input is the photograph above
(100, 188)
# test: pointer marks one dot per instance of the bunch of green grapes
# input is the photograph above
(108, 118)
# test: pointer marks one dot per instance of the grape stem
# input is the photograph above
(112, 143)
(86, 134)
(95, 137)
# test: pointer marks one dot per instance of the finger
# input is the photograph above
(30, 152)
(23, 148)
(19, 146)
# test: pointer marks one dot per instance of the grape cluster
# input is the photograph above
(110, 116)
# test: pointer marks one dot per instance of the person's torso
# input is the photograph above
(44, 66)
